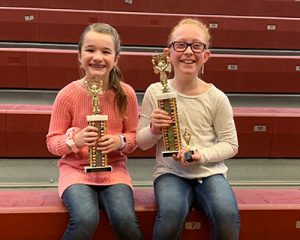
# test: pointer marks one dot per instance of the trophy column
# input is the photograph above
(98, 162)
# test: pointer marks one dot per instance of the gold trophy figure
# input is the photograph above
(187, 138)
(98, 160)
(167, 102)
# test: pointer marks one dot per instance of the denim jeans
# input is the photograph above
(84, 202)
(213, 195)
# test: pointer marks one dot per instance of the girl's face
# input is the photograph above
(97, 55)
(188, 62)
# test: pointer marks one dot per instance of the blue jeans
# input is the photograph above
(175, 196)
(83, 203)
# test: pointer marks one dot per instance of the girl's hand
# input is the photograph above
(109, 143)
(195, 157)
(159, 119)
(86, 137)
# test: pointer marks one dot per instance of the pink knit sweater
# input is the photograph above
(70, 108)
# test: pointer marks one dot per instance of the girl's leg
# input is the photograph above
(215, 197)
(174, 197)
(118, 203)
(82, 204)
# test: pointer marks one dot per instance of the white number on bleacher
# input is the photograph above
(297, 68)
(213, 25)
(260, 128)
(232, 67)
(271, 27)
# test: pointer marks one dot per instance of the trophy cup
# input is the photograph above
(167, 102)
(97, 160)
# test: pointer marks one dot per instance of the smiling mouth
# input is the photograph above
(188, 61)
(97, 66)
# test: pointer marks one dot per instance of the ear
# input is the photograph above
(166, 51)
(79, 58)
(206, 55)
(116, 60)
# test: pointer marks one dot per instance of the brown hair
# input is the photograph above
(196, 22)
(115, 75)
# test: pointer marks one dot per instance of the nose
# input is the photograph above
(189, 50)
(98, 56)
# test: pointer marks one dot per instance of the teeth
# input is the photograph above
(188, 61)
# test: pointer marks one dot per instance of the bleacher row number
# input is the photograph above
(297, 68)
(213, 25)
(29, 18)
(128, 1)
(297, 224)
(260, 128)
(232, 67)
(192, 225)
(271, 27)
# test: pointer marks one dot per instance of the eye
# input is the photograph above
(197, 45)
(89, 50)
(180, 44)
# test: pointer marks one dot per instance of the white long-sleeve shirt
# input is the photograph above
(209, 119)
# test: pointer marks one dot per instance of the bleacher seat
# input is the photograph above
(260, 131)
(27, 68)
(40, 215)
(147, 29)
(273, 8)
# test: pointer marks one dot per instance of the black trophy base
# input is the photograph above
(169, 153)
(89, 169)
(188, 156)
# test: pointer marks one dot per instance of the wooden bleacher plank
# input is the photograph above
(270, 8)
(277, 8)
(13, 64)
(65, 26)
(3, 141)
(254, 73)
(19, 24)
(254, 141)
(27, 138)
(74, 4)
(285, 133)
(147, 29)
(53, 69)
(40, 214)
(128, 5)
(260, 131)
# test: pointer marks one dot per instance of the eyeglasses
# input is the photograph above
(197, 47)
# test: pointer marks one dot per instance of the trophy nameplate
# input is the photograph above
(97, 160)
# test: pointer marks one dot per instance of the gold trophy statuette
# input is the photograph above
(187, 138)
(167, 102)
(98, 160)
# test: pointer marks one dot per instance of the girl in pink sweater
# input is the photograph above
(70, 137)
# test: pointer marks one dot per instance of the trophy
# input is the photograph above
(167, 102)
(98, 160)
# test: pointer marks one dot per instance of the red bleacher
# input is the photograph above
(262, 132)
(23, 68)
(138, 29)
(278, 8)
(41, 215)
(271, 132)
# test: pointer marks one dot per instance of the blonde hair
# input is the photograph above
(196, 22)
